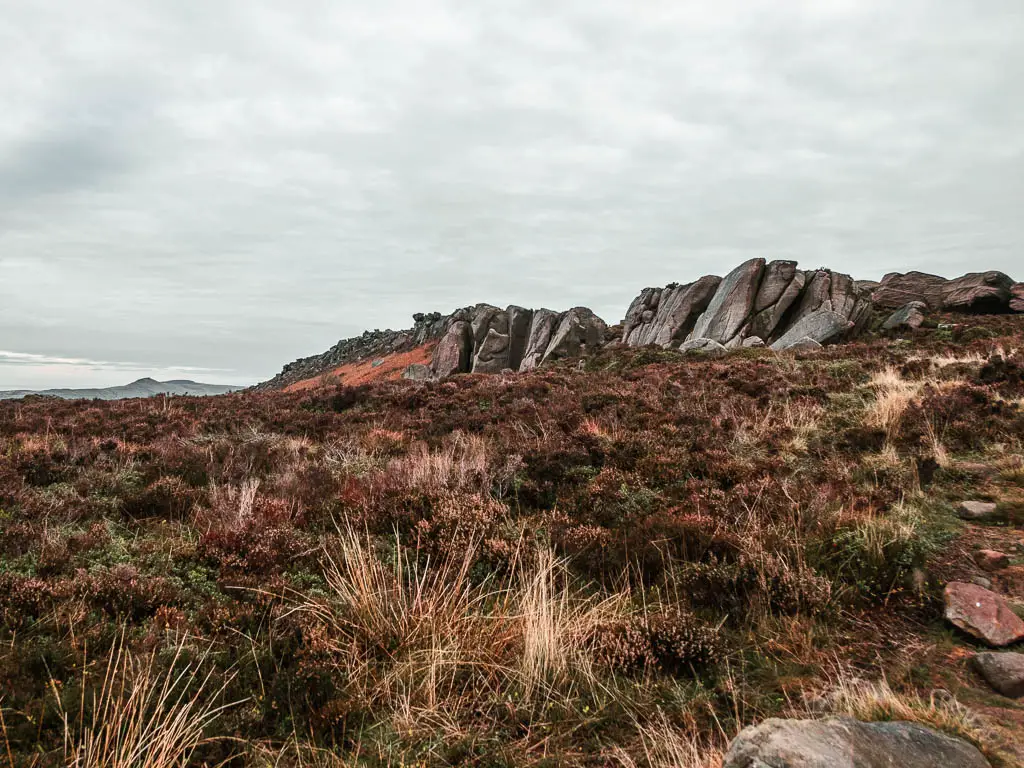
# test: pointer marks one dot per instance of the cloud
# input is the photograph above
(236, 184)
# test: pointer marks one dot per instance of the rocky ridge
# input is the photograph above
(773, 302)
(759, 303)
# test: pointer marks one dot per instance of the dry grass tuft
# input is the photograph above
(141, 717)
(666, 745)
(877, 701)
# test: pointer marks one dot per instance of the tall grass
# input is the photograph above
(417, 637)
(141, 716)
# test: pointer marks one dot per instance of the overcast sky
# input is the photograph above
(211, 189)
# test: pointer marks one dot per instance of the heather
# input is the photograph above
(622, 560)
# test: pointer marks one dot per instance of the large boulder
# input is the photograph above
(982, 614)
(490, 340)
(842, 742)
(984, 292)
(909, 316)
(822, 326)
(579, 330)
(639, 320)
(897, 289)
(519, 321)
(664, 316)
(766, 322)
(731, 305)
(1003, 671)
(778, 276)
(817, 294)
(454, 352)
(542, 327)
(1017, 297)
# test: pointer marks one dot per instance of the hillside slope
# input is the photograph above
(622, 562)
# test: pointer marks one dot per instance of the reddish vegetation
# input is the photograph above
(568, 566)
(387, 368)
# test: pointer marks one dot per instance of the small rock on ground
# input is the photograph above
(982, 614)
(976, 510)
(990, 560)
(1003, 671)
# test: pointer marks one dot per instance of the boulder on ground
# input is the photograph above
(708, 347)
(822, 326)
(985, 292)
(1003, 671)
(982, 613)
(976, 510)
(990, 560)
(418, 372)
(842, 742)
(753, 341)
(909, 316)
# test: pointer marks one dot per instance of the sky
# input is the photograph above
(208, 190)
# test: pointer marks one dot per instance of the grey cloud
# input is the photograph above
(236, 184)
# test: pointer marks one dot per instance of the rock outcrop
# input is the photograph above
(983, 292)
(842, 742)
(771, 303)
(980, 292)
(665, 316)
(897, 290)
(485, 339)
(757, 299)
(1017, 297)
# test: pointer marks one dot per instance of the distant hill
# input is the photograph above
(141, 388)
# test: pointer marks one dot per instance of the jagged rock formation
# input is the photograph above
(759, 303)
(757, 299)
(486, 339)
(981, 292)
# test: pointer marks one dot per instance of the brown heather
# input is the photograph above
(620, 563)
